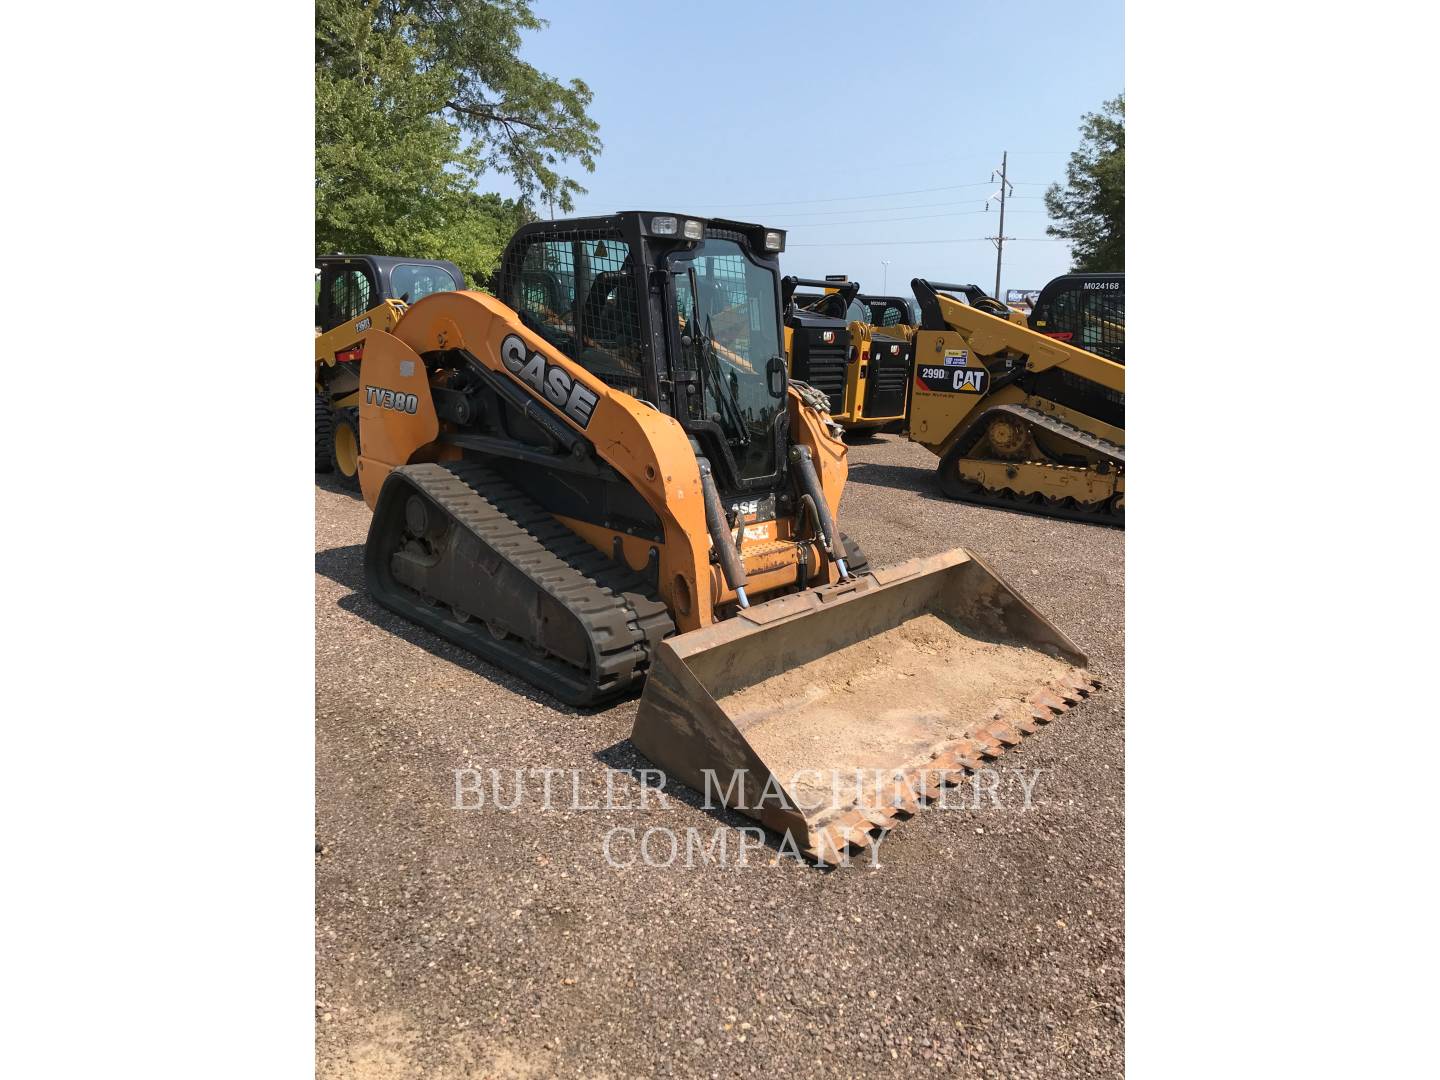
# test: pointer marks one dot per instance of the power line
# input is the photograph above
(952, 240)
(878, 209)
(882, 221)
(847, 198)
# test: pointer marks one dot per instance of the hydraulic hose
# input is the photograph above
(810, 482)
(720, 536)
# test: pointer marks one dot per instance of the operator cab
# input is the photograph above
(347, 286)
(678, 311)
(1084, 310)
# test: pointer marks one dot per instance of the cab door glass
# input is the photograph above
(730, 318)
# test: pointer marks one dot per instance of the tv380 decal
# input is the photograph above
(954, 376)
(391, 399)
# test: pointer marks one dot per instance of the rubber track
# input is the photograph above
(1036, 418)
(1022, 503)
(614, 605)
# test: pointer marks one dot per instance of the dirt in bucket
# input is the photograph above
(886, 702)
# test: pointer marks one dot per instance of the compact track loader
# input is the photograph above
(833, 344)
(602, 478)
(354, 293)
(1018, 419)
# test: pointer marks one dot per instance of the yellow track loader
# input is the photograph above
(1018, 419)
(602, 479)
(833, 344)
(354, 293)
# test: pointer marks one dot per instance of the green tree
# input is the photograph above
(1090, 209)
(415, 100)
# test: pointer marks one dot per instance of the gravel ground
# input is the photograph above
(484, 943)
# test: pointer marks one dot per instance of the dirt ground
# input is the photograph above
(492, 942)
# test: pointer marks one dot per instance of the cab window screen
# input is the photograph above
(579, 294)
(349, 295)
(1102, 329)
(886, 313)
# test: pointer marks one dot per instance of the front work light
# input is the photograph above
(663, 226)
(694, 230)
(774, 241)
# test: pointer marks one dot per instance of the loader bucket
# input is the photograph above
(832, 713)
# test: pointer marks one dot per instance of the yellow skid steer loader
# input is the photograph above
(353, 294)
(834, 343)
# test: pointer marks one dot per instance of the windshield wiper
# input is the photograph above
(710, 368)
(724, 393)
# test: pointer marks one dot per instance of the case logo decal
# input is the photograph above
(553, 382)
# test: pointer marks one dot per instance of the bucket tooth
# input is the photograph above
(1050, 701)
(908, 796)
(969, 752)
(990, 747)
(877, 818)
(1003, 733)
(834, 713)
(947, 761)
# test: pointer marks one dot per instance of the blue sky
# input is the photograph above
(868, 130)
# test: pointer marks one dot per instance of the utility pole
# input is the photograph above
(999, 241)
